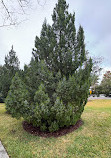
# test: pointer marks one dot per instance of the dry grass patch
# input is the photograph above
(99, 103)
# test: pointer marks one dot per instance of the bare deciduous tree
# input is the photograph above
(11, 11)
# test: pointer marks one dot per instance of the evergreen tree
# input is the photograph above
(1, 95)
(17, 98)
(8, 71)
(11, 61)
(58, 76)
(61, 52)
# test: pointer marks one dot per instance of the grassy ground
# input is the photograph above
(92, 140)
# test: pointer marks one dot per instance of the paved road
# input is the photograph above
(101, 97)
(3, 153)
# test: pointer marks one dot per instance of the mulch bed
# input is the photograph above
(63, 131)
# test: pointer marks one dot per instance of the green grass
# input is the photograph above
(92, 140)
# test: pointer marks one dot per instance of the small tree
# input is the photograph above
(7, 72)
(17, 99)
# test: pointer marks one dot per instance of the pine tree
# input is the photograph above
(58, 76)
(17, 98)
(9, 69)
(62, 51)
(11, 60)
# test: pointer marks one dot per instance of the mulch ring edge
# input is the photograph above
(61, 132)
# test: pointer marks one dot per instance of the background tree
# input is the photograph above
(106, 83)
(7, 72)
(58, 76)
(98, 90)
(1, 95)
(11, 61)
(96, 71)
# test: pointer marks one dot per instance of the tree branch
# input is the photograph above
(11, 10)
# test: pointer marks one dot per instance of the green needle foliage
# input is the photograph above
(17, 98)
(58, 76)
(8, 71)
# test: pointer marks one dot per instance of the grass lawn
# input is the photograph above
(92, 140)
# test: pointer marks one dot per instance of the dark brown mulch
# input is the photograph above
(63, 131)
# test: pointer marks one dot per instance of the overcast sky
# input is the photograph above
(93, 15)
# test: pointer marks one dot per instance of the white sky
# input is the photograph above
(93, 15)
